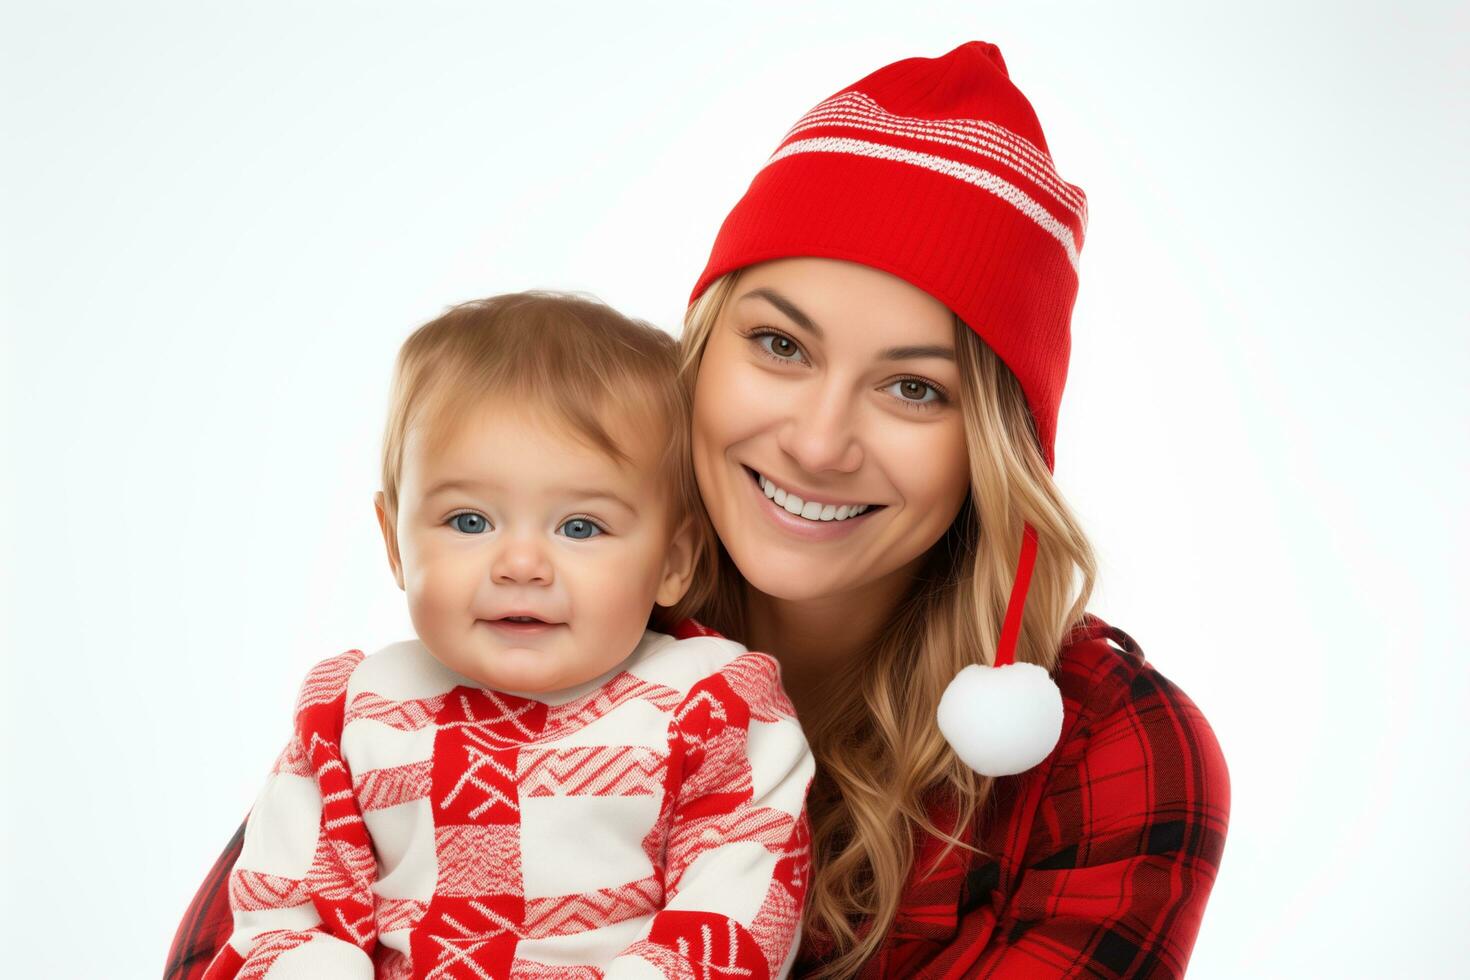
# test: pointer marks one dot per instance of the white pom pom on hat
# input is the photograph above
(1001, 720)
(1004, 719)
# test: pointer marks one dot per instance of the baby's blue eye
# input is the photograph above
(468, 523)
(581, 529)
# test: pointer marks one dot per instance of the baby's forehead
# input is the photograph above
(533, 445)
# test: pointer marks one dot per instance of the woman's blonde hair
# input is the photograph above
(880, 755)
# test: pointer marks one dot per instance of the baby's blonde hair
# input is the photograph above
(570, 359)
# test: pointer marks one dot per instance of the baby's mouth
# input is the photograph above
(521, 624)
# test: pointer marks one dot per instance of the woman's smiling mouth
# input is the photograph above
(810, 518)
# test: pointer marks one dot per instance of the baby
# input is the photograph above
(539, 785)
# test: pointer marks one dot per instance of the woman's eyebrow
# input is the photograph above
(792, 311)
(795, 314)
(905, 353)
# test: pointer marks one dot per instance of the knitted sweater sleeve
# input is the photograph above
(300, 893)
(738, 853)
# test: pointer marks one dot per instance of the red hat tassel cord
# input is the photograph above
(1004, 719)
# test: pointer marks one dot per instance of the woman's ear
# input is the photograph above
(679, 565)
(386, 523)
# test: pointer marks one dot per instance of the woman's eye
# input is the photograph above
(917, 393)
(580, 529)
(778, 345)
(469, 523)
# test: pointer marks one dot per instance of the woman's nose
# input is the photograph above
(821, 432)
(521, 560)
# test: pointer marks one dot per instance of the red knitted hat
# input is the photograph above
(936, 170)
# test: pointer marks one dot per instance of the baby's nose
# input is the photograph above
(521, 560)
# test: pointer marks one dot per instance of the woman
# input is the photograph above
(876, 353)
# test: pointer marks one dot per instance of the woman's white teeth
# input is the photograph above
(810, 509)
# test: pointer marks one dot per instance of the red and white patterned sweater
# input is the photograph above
(650, 823)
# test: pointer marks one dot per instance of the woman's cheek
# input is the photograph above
(730, 387)
(947, 478)
(754, 393)
(713, 400)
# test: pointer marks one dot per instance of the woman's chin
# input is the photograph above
(795, 574)
(795, 581)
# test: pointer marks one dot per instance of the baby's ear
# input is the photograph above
(386, 523)
(679, 564)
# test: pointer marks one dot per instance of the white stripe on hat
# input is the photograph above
(855, 110)
(968, 173)
(867, 105)
(973, 146)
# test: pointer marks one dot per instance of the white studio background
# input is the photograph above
(219, 221)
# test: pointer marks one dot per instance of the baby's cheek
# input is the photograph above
(438, 591)
(619, 599)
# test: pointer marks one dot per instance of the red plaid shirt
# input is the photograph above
(1098, 861)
